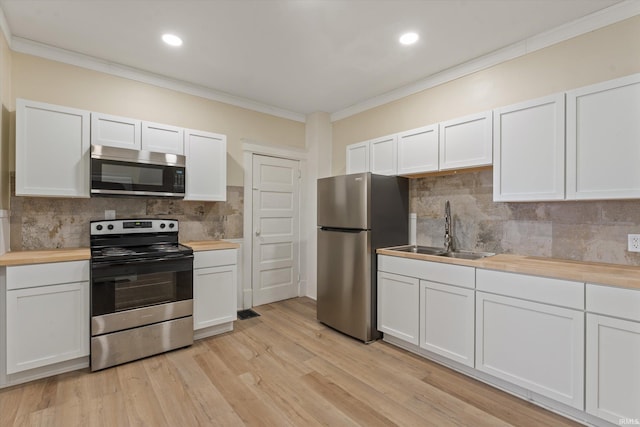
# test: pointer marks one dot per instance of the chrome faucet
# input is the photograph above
(448, 229)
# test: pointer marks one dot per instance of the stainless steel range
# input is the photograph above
(141, 290)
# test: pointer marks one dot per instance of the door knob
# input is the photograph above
(257, 232)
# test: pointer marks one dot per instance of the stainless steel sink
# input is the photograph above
(430, 250)
(426, 250)
(466, 254)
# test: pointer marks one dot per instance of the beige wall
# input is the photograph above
(6, 103)
(43, 80)
(607, 53)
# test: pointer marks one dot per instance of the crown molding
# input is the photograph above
(42, 50)
(594, 21)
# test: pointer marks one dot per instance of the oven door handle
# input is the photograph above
(102, 264)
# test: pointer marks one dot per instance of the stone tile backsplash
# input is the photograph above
(585, 230)
(48, 223)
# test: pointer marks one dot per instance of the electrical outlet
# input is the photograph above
(634, 243)
(109, 214)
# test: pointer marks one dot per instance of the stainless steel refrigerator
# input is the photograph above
(357, 214)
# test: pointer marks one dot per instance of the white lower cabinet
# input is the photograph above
(613, 353)
(613, 368)
(47, 314)
(524, 337)
(447, 321)
(214, 288)
(398, 306)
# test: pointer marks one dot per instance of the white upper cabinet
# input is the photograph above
(115, 131)
(358, 157)
(528, 145)
(603, 140)
(466, 142)
(162, 138)
(418, 150)
(383, 155)
(52, 150)
(206, 155)
(124, 132)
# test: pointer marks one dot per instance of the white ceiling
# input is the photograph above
(299, 56)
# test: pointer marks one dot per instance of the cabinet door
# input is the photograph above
(206, 166)
(52, 150)
(398, 306)
(358, 157)
(46, 325)
(162, 138)
(383, 155)
(528, 150)
(214, 296)
(466, 142)
(418, 150)
(447, 321)
(613, 368)
(603, 132)
(114, 131)
(536, 346)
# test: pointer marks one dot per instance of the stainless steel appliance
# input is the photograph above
(120, 171)
(141, 290)
(357, 214)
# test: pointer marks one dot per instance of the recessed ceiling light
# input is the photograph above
(172, 40)
(409, 38)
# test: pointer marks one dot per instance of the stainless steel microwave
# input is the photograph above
(125, 172)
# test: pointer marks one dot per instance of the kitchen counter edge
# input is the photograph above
(210, 245)
(44, 256)
(625, 276)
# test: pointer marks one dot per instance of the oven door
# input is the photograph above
(119, 286)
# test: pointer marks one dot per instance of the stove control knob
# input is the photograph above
(163, 225)
(171, 225)
(99, 227)
(110, 226)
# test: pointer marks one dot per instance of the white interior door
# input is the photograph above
(276, 234)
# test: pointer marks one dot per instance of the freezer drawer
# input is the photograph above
(346, 288)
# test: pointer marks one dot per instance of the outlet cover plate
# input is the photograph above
(633, 243)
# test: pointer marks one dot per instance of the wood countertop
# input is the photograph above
(589, 272)
(45, 256)
(210, 245)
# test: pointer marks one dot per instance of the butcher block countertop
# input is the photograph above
(44, 256)
(210, 245)
(589, 272)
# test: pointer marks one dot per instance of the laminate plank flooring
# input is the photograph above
(280, 369)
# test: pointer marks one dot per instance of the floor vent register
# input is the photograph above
(247, 314)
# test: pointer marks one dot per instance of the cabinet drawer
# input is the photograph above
(28, 276)
(214, 258)
(612, 301)
(541, 289)
(458, 275)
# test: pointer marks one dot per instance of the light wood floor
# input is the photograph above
(280, 369)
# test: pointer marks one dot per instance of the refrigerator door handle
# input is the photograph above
(343, 230)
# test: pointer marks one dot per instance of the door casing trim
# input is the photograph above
(249, 149)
